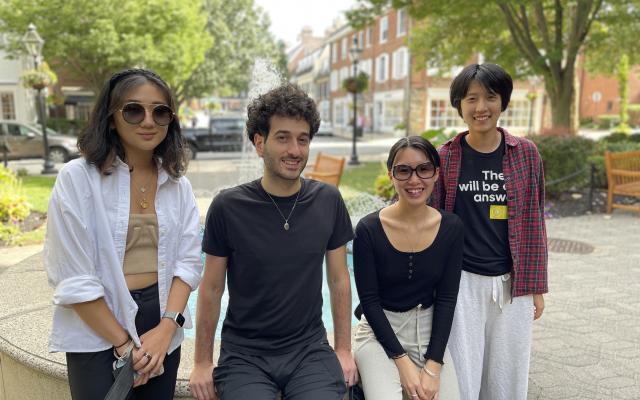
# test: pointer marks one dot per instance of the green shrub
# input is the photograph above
(616, 137)
(564, 156)
(608, 121)
(8, 232)
(382, 186)
(438, 136)
(65, 126)
(13, 204)
(605, 144)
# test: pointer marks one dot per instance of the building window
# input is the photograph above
(393, 114)
(361, 39)
(83, 110)
(401, 24)
(334, 52)
(369, 36)
(516, 116)
(443, 115)
(382, 68)
(343, 52)
(365, 66)
(384, 29)
(609, 106)
(7, 103)
(334, 80)
(400, 63)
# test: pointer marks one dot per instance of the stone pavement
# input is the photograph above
(587, 343)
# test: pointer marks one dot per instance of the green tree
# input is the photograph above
(613, 46)
(93, 39)
(241, 33)
(527, 37)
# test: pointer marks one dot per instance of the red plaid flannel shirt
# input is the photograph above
(524, 180)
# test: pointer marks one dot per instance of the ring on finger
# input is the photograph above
(147, 356)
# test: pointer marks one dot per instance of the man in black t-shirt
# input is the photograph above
(268, 238)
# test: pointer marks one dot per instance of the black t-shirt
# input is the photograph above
(481, 202)
(274, 276)
(384, 282)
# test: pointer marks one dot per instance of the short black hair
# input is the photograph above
(494, 79)
(414, 142)
(99, 143)
(287, 100)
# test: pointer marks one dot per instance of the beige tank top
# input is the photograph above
(141, 253)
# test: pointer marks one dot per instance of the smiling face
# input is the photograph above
(285, 150)
(481, 109)
(415, 190)
(145, 136)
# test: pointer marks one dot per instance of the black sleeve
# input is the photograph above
(214, 240)
(366, 278)
(342, 228)
(446, 291)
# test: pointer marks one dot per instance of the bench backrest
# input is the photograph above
(620, 162)
(327, 169)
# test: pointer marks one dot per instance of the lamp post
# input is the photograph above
(33, 43)
(354, 52)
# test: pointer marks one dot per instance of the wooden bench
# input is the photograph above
(326, 169)
(623, 177)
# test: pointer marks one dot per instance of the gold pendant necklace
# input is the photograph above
(286, 220)
(143, 203)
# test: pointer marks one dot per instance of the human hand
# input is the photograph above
(430, 384)
(538, 305)
(410, 379)
(141, 380)
(149, 357)
(201, 382)
(348, 364)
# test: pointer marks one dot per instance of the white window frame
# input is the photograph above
(334, 52)
(382, 59)
(400, 63)
(401, 16)
(369, 36)
(8, 105)
(334, 81)
(343, 50)
(384, 29)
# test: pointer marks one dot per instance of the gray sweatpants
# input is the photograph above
(490, 339)
(379, 374)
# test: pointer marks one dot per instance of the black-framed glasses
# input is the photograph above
(403, 172)
(134, 113)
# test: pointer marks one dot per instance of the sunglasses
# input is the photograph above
(403, 172)
(134, 113)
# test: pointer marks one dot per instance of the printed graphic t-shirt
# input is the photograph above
(481, 203)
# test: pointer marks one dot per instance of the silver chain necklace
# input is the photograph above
(286, 220)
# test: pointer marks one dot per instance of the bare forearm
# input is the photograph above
(208, 313)
(341, 311)
(99, 317)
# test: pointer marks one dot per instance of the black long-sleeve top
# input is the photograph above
(384, 281)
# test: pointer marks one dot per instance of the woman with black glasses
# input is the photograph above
(122, 249)
(407, 260)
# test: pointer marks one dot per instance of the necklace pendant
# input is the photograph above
(286, 226)
(144, 204)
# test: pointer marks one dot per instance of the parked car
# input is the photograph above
(325, 129)
(24, 140)
(225, 133)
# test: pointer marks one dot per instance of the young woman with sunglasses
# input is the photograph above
(407, 259)
(122, 249)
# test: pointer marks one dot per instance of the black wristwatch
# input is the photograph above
(176, 317)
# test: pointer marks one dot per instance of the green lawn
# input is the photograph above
(361, 178)
(37, 189)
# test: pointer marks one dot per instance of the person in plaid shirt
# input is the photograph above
(495, 182)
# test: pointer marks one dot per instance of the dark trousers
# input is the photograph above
(309, 373)
(91, 374)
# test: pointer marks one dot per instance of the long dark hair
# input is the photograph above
(99, 142)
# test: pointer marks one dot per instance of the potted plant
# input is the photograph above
(39, 78)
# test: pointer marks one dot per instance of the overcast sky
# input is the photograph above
(289, 16)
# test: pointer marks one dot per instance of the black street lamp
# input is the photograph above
(354, 52)
(33, 43)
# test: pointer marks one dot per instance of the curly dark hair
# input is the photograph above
(287, 100)
(99, 142)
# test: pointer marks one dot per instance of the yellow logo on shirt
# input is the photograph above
(497, 211)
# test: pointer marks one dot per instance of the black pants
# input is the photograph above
(308, 373)
(91, 374)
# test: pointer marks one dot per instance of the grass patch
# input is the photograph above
(37, 189)
(362, 177)
(35, 236)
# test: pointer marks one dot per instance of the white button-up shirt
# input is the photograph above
(84, 249)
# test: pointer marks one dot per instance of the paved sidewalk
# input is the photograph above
(587, 343)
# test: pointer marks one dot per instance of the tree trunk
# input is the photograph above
(561, 94)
